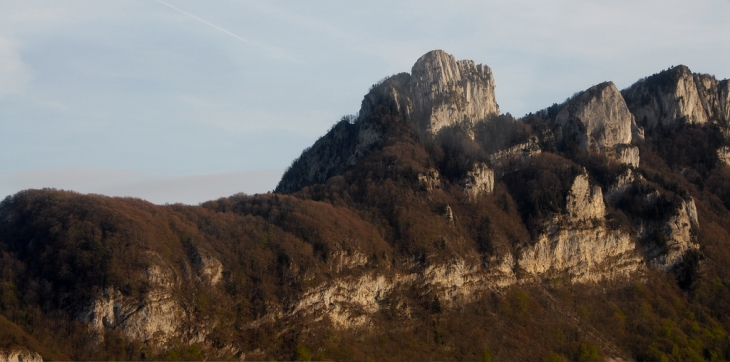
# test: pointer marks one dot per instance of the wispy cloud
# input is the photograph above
(273, 52)
(204, 21)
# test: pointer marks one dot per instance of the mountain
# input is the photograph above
(594, 229)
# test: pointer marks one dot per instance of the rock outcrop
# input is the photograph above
(446, 91)
(430, 179)
(162, 313)
(19, 355)
(621, 186)
(515, 157)
(598, 120)
(666, 244)
(579, 244)
(207, 267)
(627, 154)
(584, 201)
(439, 92)
(350, 302)
(676, 95)
(157, 316)
(478, 181)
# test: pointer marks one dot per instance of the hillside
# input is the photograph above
(427, 227)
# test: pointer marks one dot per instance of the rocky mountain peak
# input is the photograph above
(440, 92)
(598, 120)
(677, 95)
(446, 91)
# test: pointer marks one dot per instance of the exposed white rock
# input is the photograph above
(478, 181)
(671, 96)
(446, 92)
(677, 232)
(723, 153)
(622, 184)
(448, 214)
(627, 154)
(156, 316)
(430, 179)
(440, 92)
(584, 254)
(349, 302)
(637, 132)
(395, 89)
(680, 235)
(501, 271)
(598, 118)
(18, 354)
(208, 267)
(579, 244)
(724, 101)
(515, 157)
(453, 281)
(585, 201)
(342, 260)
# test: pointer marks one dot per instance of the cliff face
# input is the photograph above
(19, 355)
(159, 316)
(439, 92)
(579, 244)
(598, 120)
(446, 91)
(677, 95)
(478, 181)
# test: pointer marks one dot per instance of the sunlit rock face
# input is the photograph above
(598, 120)
(439, 92)
(478, 181)
(677, 95)
(161, 314)
(514, 158)
(157, 315)
(579, 244)
(19, 355)
(666, 243)
(430, 179)
(446, 91)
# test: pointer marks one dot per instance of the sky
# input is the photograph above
(187, 101)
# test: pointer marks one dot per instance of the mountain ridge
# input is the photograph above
(581, 230)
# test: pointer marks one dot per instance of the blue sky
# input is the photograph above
(185, 101)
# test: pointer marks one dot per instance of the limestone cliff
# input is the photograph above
(478, 181)
(514, 157)
(666, 243)
(446, 91)
(161, 314)
(598, 120)
(439, 92)
(678, 95)
(19, 355)
(579, 243)
(156, 317)
(430, 179)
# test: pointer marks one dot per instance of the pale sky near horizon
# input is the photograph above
(186, 101)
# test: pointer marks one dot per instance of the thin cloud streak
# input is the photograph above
(204, 21)
(273, 52)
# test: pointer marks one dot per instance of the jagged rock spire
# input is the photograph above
(446, 91)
